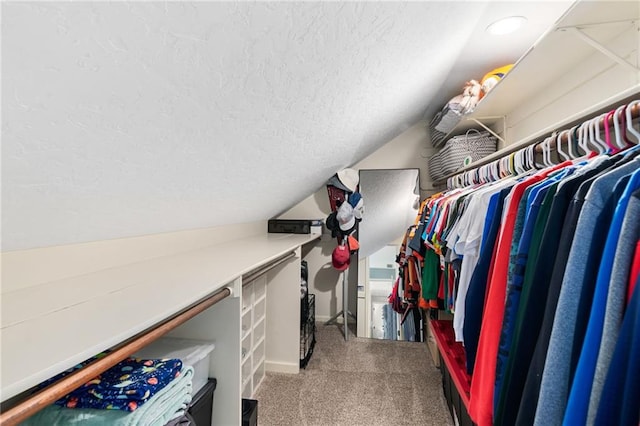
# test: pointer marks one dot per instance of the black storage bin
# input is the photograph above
(308, 331)
(201, 407)
(249, 412)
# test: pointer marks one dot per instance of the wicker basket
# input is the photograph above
(471, 146)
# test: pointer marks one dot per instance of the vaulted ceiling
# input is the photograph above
(130, 118)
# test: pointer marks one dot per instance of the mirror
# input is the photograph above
(392, 200)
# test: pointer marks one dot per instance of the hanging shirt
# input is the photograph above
(621, 391)
(635, 272)
(474, 303)
(535, 288)
(526, 296)
(531, 390)
(577, 294)
(518, 259)
(621, 257)
(483, 380)
(468, 246)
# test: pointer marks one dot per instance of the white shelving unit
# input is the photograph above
(109, 305)
(588, 61)
(254, 302)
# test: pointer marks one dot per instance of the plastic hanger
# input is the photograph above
(531, 157)
(484, 176)
(515, 160)
(505, 167)
(607, 131)
(597, 127)
(620, 129)
(524, 165)
(547, 147)
(511, 164)
(558, 139)
(594, 135)
(583, 136)
(545, 150)
(571, 134)
(630, 127)
(521, 160)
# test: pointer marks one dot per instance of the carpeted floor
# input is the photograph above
(358, 382)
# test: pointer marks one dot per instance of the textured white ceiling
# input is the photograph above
(123, 118)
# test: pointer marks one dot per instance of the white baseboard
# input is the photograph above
(325, 318)
(281, 367)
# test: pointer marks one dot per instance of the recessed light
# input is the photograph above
(506, 25)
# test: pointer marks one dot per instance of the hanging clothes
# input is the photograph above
(577, 293)
(538, 270)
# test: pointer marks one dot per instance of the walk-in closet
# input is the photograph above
(320, 213)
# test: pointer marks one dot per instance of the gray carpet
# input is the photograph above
(358, 382)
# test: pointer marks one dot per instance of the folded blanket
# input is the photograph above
(167, 404)
(125, 386)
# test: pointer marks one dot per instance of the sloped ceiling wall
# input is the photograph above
(132, 118)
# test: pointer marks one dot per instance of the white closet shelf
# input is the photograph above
(260, 319)
(259, 341)
(555, 52)
(245, 358)
(51, 327)
(245, 333)
(246, 381)
(259, 364)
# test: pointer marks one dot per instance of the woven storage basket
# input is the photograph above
(473, 146)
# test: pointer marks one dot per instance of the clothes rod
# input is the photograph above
(57, 390)
(246, 279)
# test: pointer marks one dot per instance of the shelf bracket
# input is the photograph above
(481, 124)
(601, 48)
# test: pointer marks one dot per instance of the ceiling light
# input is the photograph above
(506, 25)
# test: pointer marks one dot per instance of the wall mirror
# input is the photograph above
(392, 200)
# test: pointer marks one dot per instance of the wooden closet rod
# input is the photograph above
(246, 279)
(55, 391)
